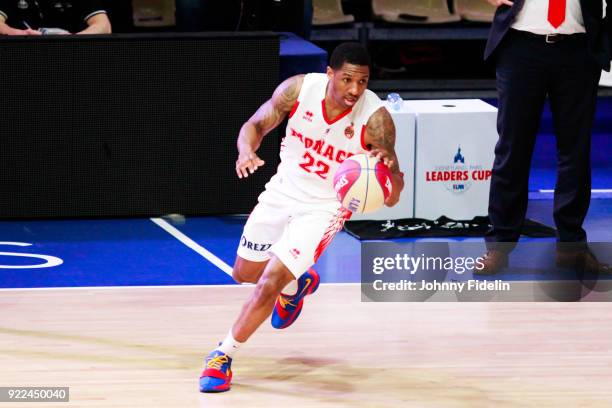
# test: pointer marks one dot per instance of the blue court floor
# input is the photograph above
(196, 251)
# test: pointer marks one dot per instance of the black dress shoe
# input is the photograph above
(493, 262)
(582, 261)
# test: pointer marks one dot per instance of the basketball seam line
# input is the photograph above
(365, 200)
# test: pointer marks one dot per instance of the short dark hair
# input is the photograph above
(350, 53)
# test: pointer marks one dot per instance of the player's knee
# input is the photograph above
(237, 276)
(242, 277)
(246, 271)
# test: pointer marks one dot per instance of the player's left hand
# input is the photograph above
(397, 177)
(395, 192)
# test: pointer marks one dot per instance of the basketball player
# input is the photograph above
(331, 116)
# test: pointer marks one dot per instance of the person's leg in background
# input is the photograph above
(522, 77)
(573, 96)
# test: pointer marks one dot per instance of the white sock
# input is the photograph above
(291, 288)
(230, 345)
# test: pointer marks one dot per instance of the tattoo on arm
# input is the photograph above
(380, 134)
(272, 113)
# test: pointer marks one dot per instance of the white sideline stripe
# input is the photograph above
(212, 258)
(151, 287)
(595, 190)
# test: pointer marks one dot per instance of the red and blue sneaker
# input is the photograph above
(288, 307)
(217, 374)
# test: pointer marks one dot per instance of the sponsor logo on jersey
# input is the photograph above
(349, 132)
(294, 252)
(253, 245)
(308, 116)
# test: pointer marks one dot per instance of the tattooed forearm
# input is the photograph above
(266, 118)
(380, 135)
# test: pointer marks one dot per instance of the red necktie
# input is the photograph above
(556, 12)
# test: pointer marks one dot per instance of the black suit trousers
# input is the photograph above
(528, 70)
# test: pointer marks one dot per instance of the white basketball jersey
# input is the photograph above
(314, 146)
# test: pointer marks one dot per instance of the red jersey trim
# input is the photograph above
(331, 122)
(336, 225)
(295, 106)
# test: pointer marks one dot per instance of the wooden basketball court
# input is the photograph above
(137, 347)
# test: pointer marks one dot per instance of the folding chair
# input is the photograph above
(414, 11)
(153, 13)
(328, 12)
(475, 10)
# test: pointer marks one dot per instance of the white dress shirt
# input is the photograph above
(533, 17)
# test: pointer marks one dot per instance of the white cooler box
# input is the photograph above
(455, 142)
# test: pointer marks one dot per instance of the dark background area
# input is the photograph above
(399, 59)
(132, 125)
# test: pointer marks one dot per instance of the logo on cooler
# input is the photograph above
(458, 177)
(459, 157)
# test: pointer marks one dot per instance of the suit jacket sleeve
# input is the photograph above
(6, 10)
(608, 21)
(89, 8)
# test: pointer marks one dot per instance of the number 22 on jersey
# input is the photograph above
(320, 168)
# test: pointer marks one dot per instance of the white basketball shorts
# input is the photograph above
(296, 232)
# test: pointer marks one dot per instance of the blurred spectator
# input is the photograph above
(35, 17)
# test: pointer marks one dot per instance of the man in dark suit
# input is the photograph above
(556, 48)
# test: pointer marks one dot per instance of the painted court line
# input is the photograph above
(594, 190)
(209, 256)
(231, 285)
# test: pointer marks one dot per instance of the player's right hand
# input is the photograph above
(16, 31)
(247, 163)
